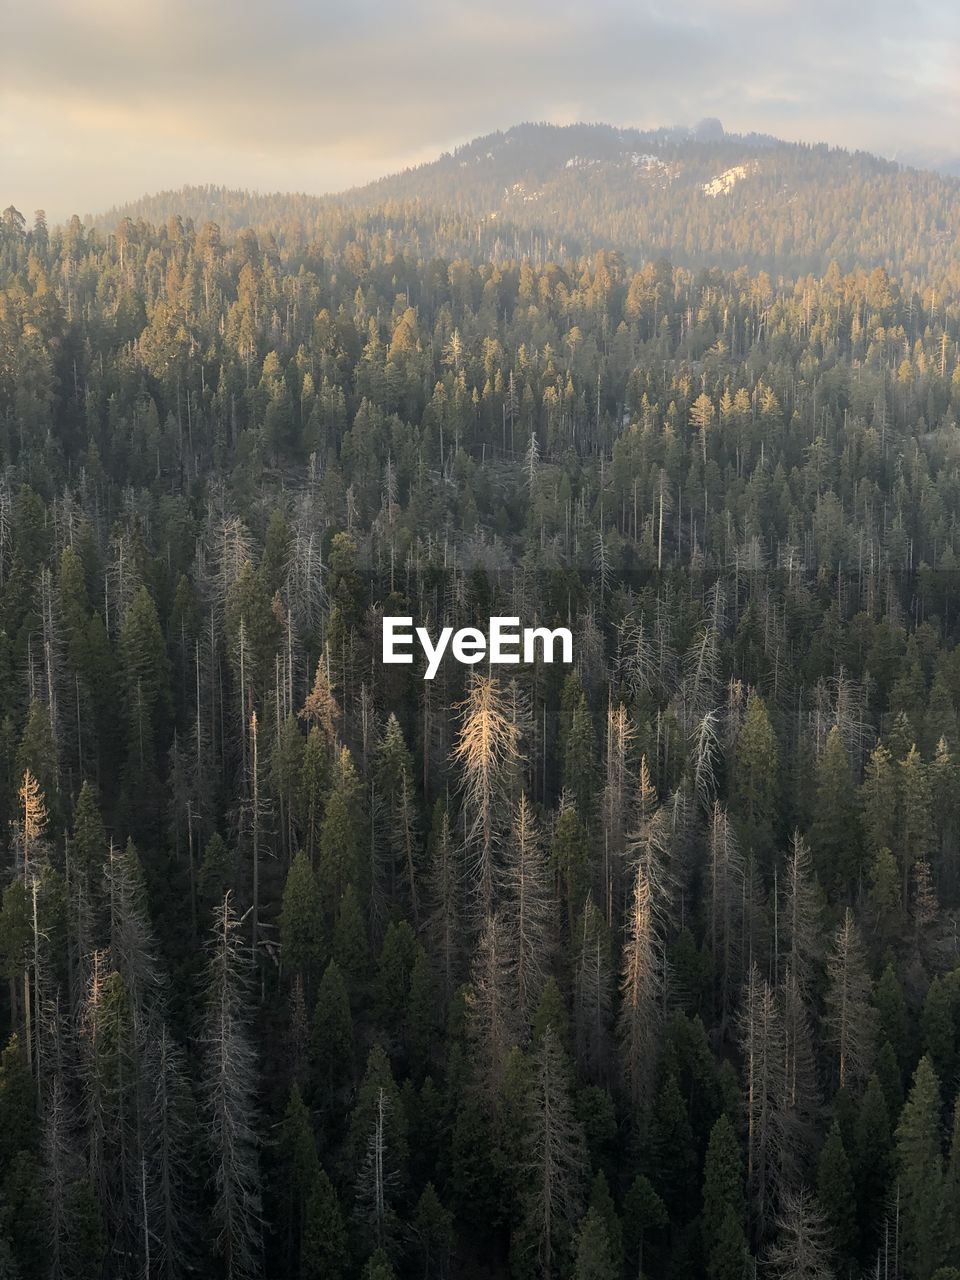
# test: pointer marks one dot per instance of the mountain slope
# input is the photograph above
(699, 197)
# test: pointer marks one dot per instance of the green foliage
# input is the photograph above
(432, 1229)
(643, 1212)
(920, 1166)
(18, 1130)
(302, 932)
(724, 1237)
(835, 835)
(339, 859)
(331, 1044)
(226, 451)
(379, 1268)
(88, 847)
(579, 761)
(324, 1254)
(835, 1191)
(595, 1256)
(754, 780)
(872, 1162)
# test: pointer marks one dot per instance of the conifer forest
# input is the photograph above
(643, 967)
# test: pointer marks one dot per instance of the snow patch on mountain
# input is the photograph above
(724, 183)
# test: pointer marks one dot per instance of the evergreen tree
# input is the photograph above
(920, 1167)
(724, 1237)
(302, 933)
(835, 835)
(835, 1191)
(753, 783)
(229, 1096)
(594, 1257)
(432, 1230)
(324, 1254)
(579, 761)
(644, 1212)
(872, 1163)
(339, 861)
(332, 1037)
(848, 1021)
(553, 1158)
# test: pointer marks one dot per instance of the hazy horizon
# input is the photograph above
(102, 101)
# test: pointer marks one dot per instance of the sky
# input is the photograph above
(104, 100)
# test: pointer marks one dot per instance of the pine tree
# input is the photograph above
(37, 755)
(379, 1267)
(885, 903)
(915, 828)
(88, 845)
(350, 949)
(554, 1157)
(340, 850)
(725, 897)
(379, 1147)
(848, 1022)
(392, 987)
(951, 1193)
(324, 1254)
(938, 1025)
(644, 1211)
(17, 1104)
(594, 1256)
(878, 797)
(168, 1168)
(724, 1238)
(489, 1004)
(671, 1148)
(640, 995)
(893, 1019)
(570, 855)
(836, 835)
(526, 911)
(616, 799)
(394, 788)
(421, 1021)
(314, 785)
(835, 1192)
(487, 752)
(229, 1099)
(298, 1150)
(580, 762)
(872, 1165)
(753, 784)
(432, 1231)
(920, 1168)
(801, 926)
(444, 895)
(761, 1037)
(146, 676)
(286, 776)
(331, 1044)
(802, 1249)
(320, 709)
(302, 933)
(216, 873)
(592, 998)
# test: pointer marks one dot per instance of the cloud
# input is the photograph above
(100, 99)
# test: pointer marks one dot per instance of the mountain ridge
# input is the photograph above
(699, 196)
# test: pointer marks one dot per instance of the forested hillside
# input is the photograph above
(643, 967)
(546, 192)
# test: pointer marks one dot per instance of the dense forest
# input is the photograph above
(551, 193)
(645, 966)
